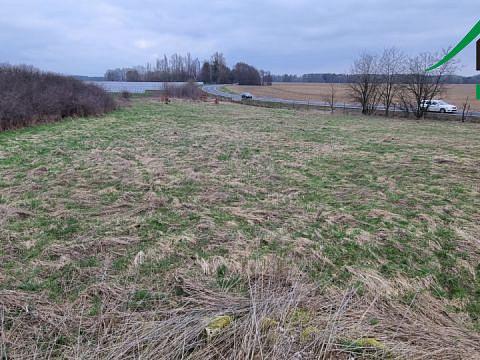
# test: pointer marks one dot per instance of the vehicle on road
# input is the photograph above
(246, 95)
(438, 106)
(217, 90)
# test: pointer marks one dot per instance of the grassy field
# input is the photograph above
(455, 94)
(195, 230)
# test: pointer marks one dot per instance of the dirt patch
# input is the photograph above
(8, 212)
(384, 215)
(444, 160)
(340, 219)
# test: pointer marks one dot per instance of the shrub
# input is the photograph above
(29, 96)
(125, 95)
(188, 90)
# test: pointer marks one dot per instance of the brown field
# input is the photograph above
(456, 94)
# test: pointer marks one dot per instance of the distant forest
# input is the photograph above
(307, 78)
(187, 68)
(345, 78)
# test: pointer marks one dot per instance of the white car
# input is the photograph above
(247, 95)
(438, 106)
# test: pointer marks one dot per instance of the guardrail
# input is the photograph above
(273, 102)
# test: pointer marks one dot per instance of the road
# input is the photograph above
(215, 90)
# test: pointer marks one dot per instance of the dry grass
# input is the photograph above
(277, 316)
(456, 94)
(309, 235)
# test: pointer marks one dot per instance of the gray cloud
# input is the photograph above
(87, 37)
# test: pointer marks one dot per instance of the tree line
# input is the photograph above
(187, 68)
(175, 68)
(394, 80)
(216, 71)
(332, 78)
(328, 78)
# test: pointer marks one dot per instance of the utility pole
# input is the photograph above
(478, 67)
(478, 55)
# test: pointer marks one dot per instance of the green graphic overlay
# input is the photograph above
(478, 91)
(472, 34)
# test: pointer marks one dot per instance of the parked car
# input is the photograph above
(438, 106)
(247, 95)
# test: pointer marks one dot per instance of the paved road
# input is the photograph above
(215, 90)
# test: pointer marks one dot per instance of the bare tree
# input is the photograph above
(404, 100)
(220, 72)
(267, 80)
(391, 65)
(421, 85)
(332, 92)
(133, 75)
(465, 109)
(364, 82)
(116, 75)
(206, 73)
(262, 76)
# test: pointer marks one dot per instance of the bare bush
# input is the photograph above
(29, 96)
(188, 90)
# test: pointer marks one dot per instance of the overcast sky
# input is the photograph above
(86, 37)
